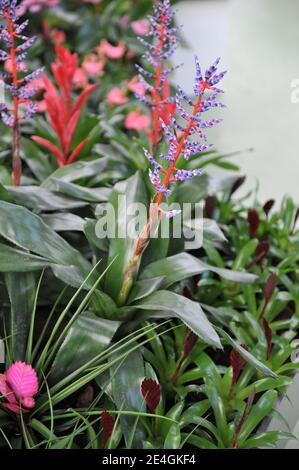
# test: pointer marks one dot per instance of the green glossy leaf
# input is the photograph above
(5, 195)
(247, 355)
(28, 231)
(36, 159)
(41, 199)
(173, 438)
(175, 414)
(21, 289)
(166, 304)
(182, 266)
(205, 185)
(258, 412)
(194, 413)
(79, 170)
(126, 379)
(265, 439)
(144, 288)
(263, 385)
(218, 409)
(64, 222)
(244, 254)
(87, 337)
(17, 260)
(209, 230)
(78, 192)
(123, 248)
(209, 369)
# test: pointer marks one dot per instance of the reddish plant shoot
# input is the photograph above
(253, 222)
(237, 363)
(243, 418)
(14, 78)
(268, 334)
(107, 422)
(268, 206)
(189, 342)
(62, 109)
(151, 392)
(268, 291)
(261, 252)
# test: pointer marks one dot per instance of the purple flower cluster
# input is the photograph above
(187, 124)
(16, 45)
(160, 42)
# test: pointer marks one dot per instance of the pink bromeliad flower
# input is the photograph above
(135, 86)
(117, 96)
(140, 27)
(35, 6)
(18, 385)
(93, 66)
(110, 51)
(80, 79)
(137, 121)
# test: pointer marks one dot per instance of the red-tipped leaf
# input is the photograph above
(237, 362)
(268, 334)
(108, 425)
(253, 222)
(48, 145)
(269, 287)
(83, 97)
(189, 342)
(268, 206)
(77, 150)
(151, 392)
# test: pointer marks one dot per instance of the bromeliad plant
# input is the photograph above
(209, 376)
(14, 79)
(62, 110)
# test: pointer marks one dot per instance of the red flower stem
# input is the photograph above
(155, 93)
(172, 167)
(144, 236)
(16, 161)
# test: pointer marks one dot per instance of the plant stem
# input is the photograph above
(16, 161)
(156, 96)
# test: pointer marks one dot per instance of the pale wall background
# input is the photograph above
(258, 41)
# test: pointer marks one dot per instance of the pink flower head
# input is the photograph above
(110, 51)
(35, 5)
(93, 66)
(18, 385)
(135, 86)
(140, 27)
(80, 79)
(137, 121)
(57, 36)
(117, 96)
